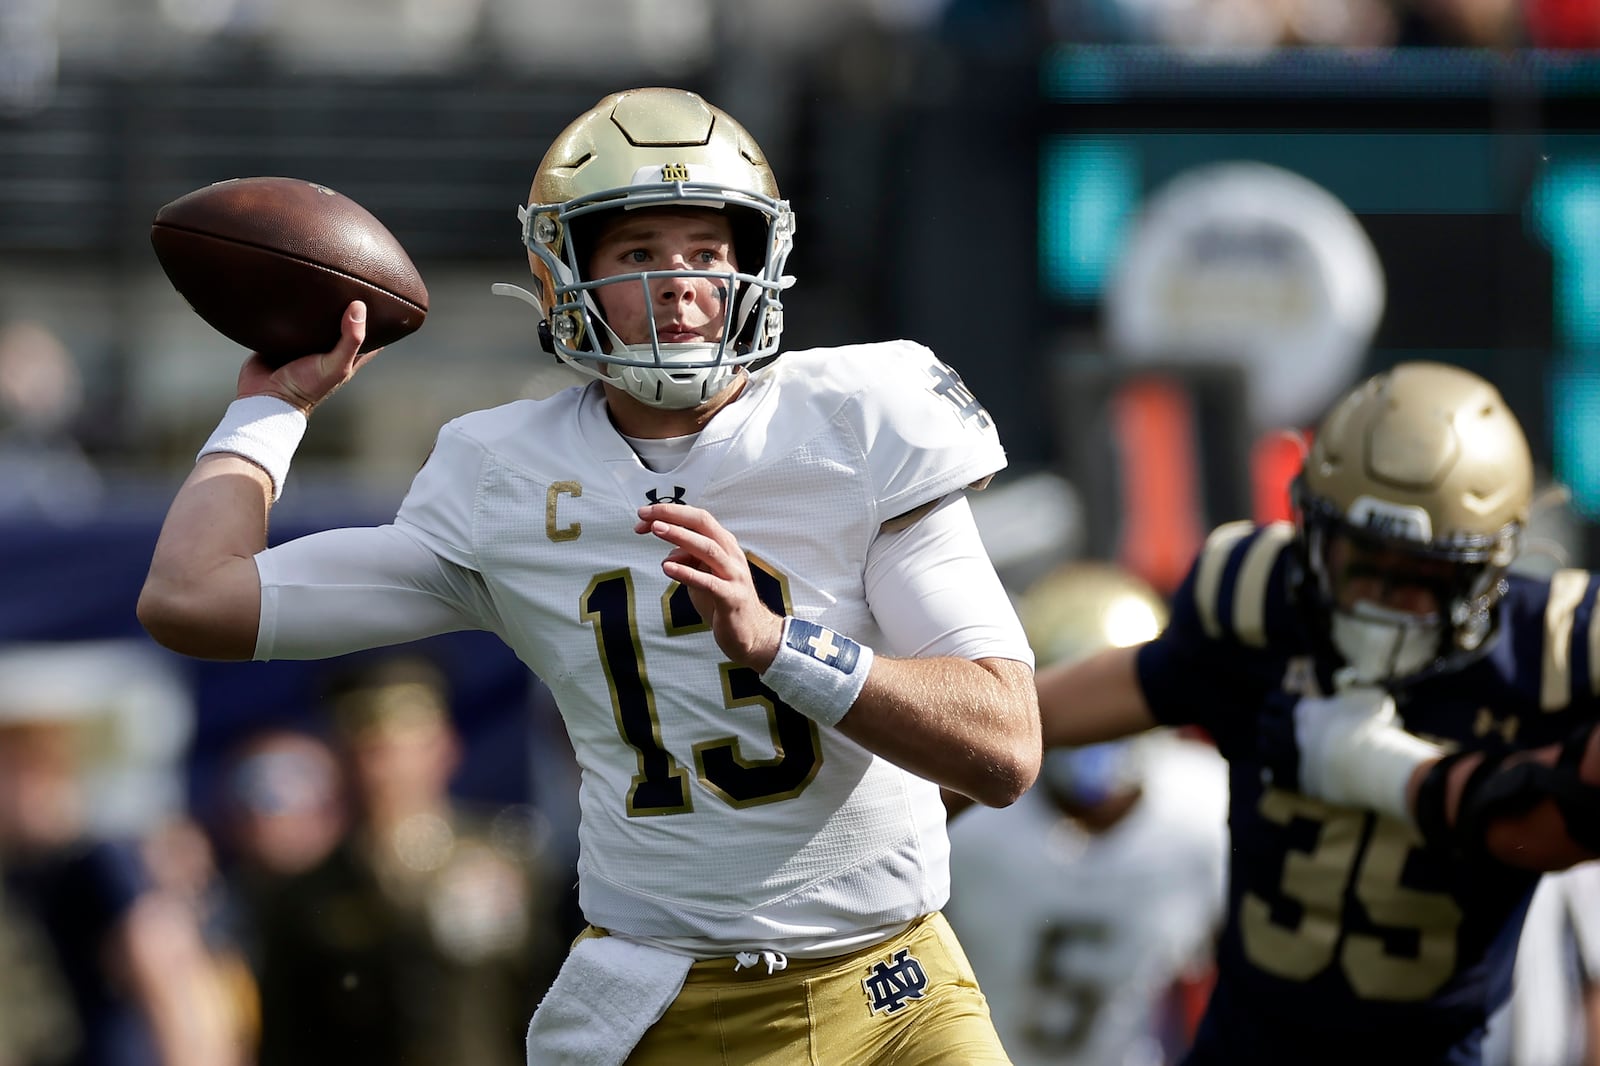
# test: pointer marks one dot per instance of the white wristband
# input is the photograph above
(262, 429)
(817, 672)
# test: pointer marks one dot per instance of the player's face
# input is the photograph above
(684, 310)
(1389, 578)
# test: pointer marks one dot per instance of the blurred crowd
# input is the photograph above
(1255, 24)
(38, 36)
(334, 903)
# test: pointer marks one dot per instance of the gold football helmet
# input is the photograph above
(1071, 612)
(1420, 477)
(1080, 607)
(652, 148)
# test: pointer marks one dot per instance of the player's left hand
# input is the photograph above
(707, 559)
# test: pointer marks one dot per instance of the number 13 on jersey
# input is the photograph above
(660, 783)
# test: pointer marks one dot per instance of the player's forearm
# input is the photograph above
(202, 596)
(972, 727)
(1093, 699)
(1536, 810)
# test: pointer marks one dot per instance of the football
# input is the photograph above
(271, 263)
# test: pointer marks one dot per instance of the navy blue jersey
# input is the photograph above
(1346, 940)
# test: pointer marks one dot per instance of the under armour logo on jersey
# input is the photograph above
(1487, 723)
(677, 495)
(1300, 677)
(823, 645)
(948, 384)
(890, 986)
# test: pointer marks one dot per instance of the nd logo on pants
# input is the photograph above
(911, 999)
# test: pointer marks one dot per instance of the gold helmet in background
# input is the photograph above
(1071, 612)
(1423, 471)
(655, 148)
(1080, 607)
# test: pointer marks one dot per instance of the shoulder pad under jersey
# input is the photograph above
(440, 505)
(922, 432)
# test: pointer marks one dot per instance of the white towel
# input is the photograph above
(609, 991)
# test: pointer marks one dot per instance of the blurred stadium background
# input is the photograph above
(973, 174)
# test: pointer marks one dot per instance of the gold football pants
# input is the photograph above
(911, 1000)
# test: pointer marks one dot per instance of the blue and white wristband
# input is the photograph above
(817, 671)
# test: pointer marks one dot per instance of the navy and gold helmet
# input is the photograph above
(1419, 478)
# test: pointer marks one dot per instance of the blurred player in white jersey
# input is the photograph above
(1553, 1015)
(1089, 907)
(752, 582)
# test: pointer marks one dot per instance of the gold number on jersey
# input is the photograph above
(1294, 932)
(660, 786)
(1375, 973)
(1313, 883)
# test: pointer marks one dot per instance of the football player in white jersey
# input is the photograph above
(1089, 907)
(751, 580)
(1553, 1015)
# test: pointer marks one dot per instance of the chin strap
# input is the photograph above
(546, 340)
(517, 292)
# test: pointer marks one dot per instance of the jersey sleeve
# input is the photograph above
(438, 508)
(934, 591)
(925, 434)
(1227, 617)
(1581, 887)
(1562, 610)
(345, 590)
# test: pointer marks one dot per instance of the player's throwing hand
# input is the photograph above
(307, 381)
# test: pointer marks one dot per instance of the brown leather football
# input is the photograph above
(271, 263)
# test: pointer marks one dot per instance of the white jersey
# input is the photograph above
(1077, 937)
(710, 817)
(1558, 952)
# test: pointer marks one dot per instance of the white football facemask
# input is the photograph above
(670, 376)
(1380, 644)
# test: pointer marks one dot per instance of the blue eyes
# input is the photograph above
(643, 255)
